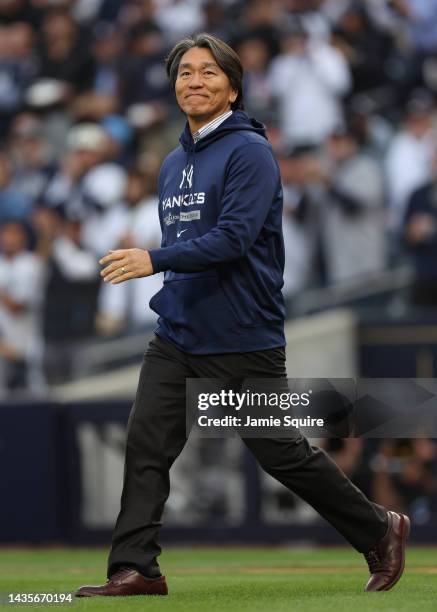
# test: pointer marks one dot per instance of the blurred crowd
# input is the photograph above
(399, 474)
(346, 88)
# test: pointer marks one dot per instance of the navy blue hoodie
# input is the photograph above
(222, 251)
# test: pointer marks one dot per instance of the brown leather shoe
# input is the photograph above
(387, 560)
(126, 581)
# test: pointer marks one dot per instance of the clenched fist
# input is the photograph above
(124, 264)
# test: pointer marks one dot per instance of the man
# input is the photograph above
(221, 315)
(408, 161)
(71, 290)
(352, 218)
(308, 80)
(420, 236)
(21, 282)
(300, 219)
(131, 222)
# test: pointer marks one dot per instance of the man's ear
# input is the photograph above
(233, 96)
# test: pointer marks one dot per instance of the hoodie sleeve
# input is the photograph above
(251, 185)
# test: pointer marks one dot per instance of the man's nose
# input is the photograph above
(196, 80)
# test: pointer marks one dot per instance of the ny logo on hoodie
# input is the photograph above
(187, 177)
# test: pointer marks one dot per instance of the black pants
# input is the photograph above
(156, 435)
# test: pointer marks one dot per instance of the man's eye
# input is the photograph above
(209, 72)
(185, 73)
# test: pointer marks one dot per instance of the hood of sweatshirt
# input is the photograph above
(237, 121)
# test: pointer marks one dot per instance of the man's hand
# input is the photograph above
(124, 264)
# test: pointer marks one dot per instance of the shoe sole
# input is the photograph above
(405, 532)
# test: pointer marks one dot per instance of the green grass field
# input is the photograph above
(228, 579)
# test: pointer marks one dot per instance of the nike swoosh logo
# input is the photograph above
(178, 234)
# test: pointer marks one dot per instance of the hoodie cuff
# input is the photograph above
(160, 259)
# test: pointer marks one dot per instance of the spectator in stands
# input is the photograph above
(88, 11)
(109, 10)
(18, 67)
(177, 17)
(65, 54)
(134, 222)
(215, 19)
(255, 57)
(373, 129)
(300, 219)
(308, 79)
(313, 15)
(420, 18)
(107, 51)
(363, 44)
(12, 11)
(120, 139)
(88, 180)
(72, 287)
(420, 234)
(408, 160)
(137, 11)
(260, 19)
(405, 476)
(14, 204)
(352, 215)
(21, 291)
(143, 79)
(102, 98)
(31, 157)
(101, 188)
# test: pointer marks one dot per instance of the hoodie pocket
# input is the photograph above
(240, 298)
(252, 303)
(195, 301)
(242, 308)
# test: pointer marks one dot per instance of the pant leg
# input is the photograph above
(156, 435)
(304, 469)
(310, 473)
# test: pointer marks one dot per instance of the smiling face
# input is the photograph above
(203, 90)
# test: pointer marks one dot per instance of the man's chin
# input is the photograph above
(197, 111)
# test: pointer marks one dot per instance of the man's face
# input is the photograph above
(203, 90)
(12, 239)
(341, 147)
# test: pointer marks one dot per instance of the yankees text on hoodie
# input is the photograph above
(222, 251)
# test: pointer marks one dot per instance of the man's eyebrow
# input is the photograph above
(203, 65)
